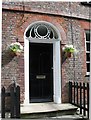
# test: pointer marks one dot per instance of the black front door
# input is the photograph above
(40, 72)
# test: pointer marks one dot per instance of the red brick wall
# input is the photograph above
(12, 67)
(14, 25)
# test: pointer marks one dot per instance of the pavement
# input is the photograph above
(70, 117)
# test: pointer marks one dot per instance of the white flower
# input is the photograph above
(66, 46)
(70, 46)
(63, 48)
(18, 50)
(21, 47)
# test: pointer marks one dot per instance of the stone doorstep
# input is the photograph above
(43, 110)
(45, 107)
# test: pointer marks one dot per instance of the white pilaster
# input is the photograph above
(26, 68)
(57, 72)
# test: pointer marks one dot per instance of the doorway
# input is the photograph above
(48, 42)
(40, 72)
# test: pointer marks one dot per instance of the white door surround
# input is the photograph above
(56, 62)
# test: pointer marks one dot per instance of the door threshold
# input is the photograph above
(41, 100)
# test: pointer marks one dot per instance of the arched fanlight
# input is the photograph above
(41, 31)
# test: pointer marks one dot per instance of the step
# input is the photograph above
(43, 110)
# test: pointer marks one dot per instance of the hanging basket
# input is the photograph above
(16, 48)
(68, 54)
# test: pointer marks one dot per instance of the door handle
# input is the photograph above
(52, 68)
(40, 76)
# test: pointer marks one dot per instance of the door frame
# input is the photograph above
(56, 66)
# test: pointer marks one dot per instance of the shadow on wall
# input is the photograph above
(7, 56)
(65, 93)
(63, 57)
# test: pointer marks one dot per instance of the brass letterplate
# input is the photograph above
(40, 76)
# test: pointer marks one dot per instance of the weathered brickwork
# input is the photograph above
(58, 8)
(14, 24)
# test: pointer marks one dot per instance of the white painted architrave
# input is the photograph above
(56, 67)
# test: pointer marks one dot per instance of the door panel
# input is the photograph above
(40, 72)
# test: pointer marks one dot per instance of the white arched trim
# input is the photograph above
(56, 64)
